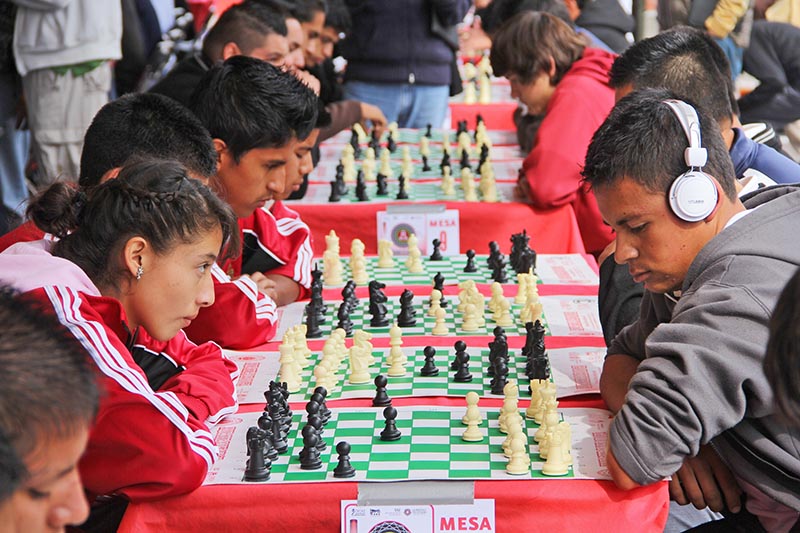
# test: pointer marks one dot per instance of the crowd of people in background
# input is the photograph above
(146, 161)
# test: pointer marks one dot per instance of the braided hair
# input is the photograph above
(151, 198)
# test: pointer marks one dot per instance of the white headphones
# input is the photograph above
(693, 194)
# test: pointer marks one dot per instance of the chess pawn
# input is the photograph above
(484, 90)
(386, 166)
(424, 146)
(555, 465)
(343, 468)
(472, 400)
(395, 341)
(513, 431)
(518, 466)
(287, 370)
(321, 376)
(385, 254)
(440, 327)
(536, 399)
(497, 295)
(505, 318)
(470, 318)
(473, 432)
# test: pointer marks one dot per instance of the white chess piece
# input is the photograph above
(436, 302)
(497, 295)
(555, 465)
(505, 319)
(469, 92)
(473, 412)
(414, 262)
(518, 465)
(470, 318)
(424, 146)
(397, 369)
(396, 343)
(440, 328)
(358, 366)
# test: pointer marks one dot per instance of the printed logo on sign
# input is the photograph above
(400, 234)
(374, 512)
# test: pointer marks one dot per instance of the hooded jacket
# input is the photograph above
(608, 21)
(580, 103)
(151, 437)
(701, 379)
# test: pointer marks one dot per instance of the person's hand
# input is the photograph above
(308, 79)
(373, 114)
(705, 481)
(474, 39)
(265, 285)
(522, 192)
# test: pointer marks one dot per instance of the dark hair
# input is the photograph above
(303, 10)
(500, 11)
(49, 388)
(145, 125)
(251, 104)
(526, 43)
(685, 61)
(338, 17)
(154, 199)
(246, 24)
(782, 360)
(642, 140)
(12, 469)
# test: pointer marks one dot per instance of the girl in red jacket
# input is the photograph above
(554, 73)
(131, 268)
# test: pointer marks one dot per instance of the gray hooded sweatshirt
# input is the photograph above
(701, 378)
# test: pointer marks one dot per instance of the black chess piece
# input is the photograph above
(470, 266)
(341, 187)
(428, 133)
(382, 189)
(334, 196)
(349, 295)
(313, 330)
(343, 468)
(323, 405)
(381, 399)
(460, 347)
(494, 253)
(361, 188)
(538, 338)
(530, 339)
(390, 431)
(377, 304)
(391, 145)
(462, 373)
(402, 194)
(445, 161)
(425, 166)
(265, 423)
(344, 319)
(309, 455)
(375, 141)
(438, 284)
(339, 170)
(499, 271)
(499, 381)
(465, 160)
(436, 255)
(258, 465)
(315, 421)
(354, 144)
(316, 294)
(429, 368)
(407, 317)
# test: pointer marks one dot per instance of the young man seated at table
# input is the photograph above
(153, 125)
(691, 64)
(249, 28)
(686, 379)
(553, 72)
(258, 117)
(47, 403)
(275, 241)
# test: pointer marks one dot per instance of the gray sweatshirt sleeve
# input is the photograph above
(702, 374)
(631, 339)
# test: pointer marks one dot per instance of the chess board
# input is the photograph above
(453, 319)
(568, 377)
(451, 267)
(412, 136)
(496, 153)
(508, 171)
(417, 192)
(430, 447)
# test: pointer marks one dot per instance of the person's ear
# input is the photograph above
(230, 49)
(136, 256)
(222, 152)
(552, 70)
(720, 194)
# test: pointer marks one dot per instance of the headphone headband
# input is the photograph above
(695, 155)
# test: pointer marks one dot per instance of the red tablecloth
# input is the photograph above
(552, 505)
(553, 231)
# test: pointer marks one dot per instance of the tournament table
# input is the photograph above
(525, 505)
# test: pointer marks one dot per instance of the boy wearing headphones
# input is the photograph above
(689, 371)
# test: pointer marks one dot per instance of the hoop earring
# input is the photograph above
(139, 272)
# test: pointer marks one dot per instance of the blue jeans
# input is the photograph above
(14, 146)
(411, 106)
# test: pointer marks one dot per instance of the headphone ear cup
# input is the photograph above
(693, 196)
